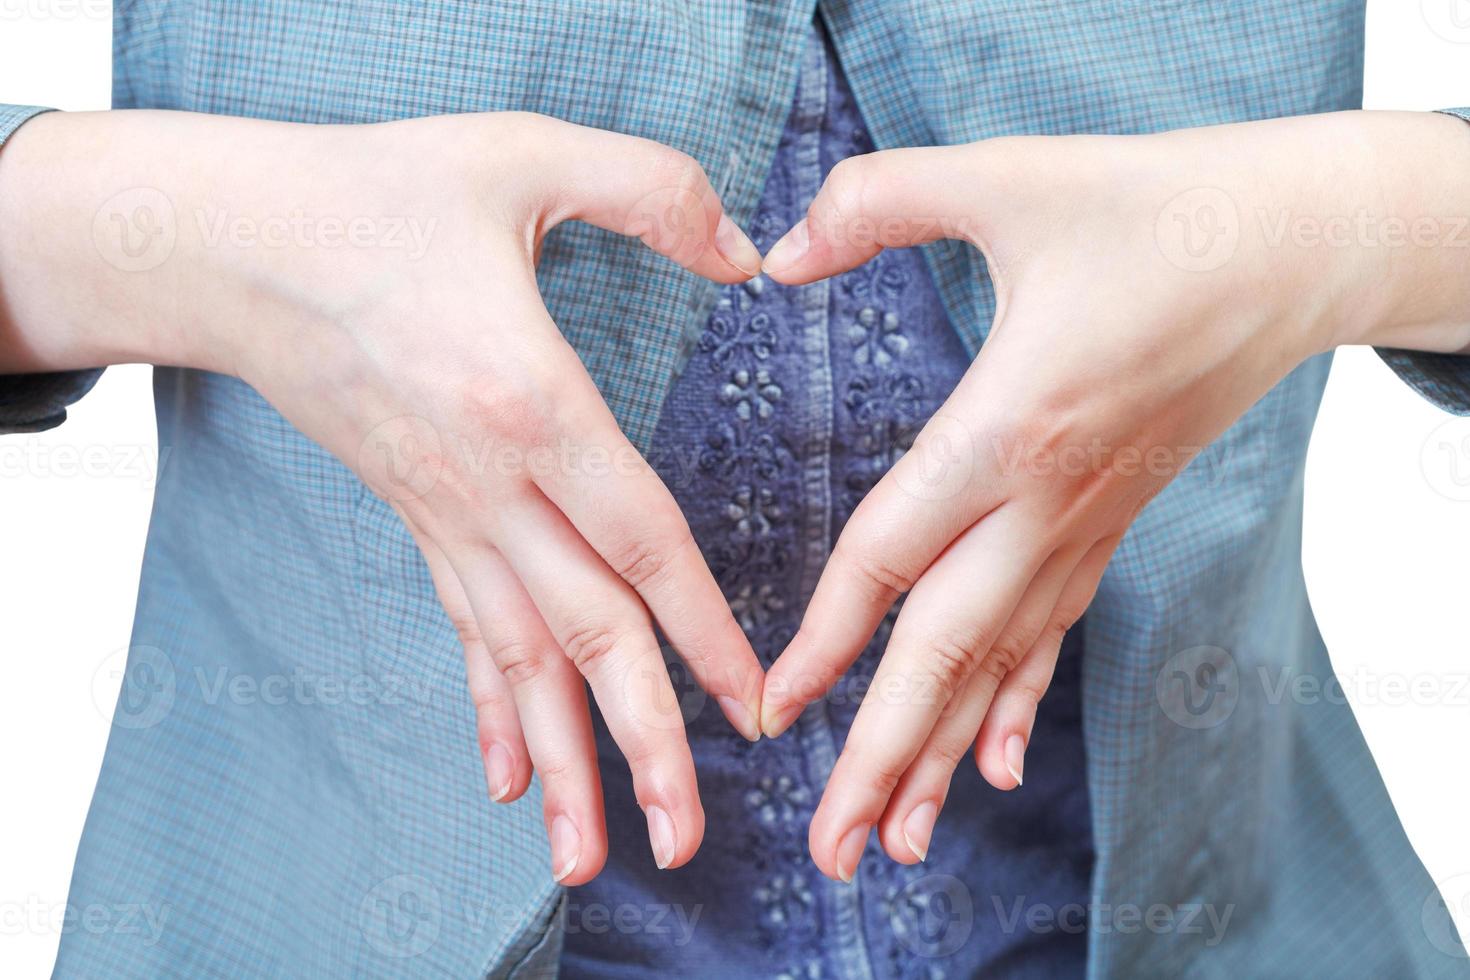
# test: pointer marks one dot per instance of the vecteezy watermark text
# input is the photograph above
(412, 235)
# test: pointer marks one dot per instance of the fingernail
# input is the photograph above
(918, 827)
(1015, 754)
(661, 836)
(740, 717)
(566, 846)
(737, 249)
(501, 769)
(789, 250)
(777, 720)
(850, 851)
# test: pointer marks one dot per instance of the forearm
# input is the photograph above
(111, 249)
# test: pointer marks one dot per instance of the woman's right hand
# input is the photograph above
(434, 371)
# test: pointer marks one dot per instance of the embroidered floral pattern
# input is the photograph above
(875, 338)
(778, 798)
(754, 512)
(756, 604)
(733, 452)
(739, 334)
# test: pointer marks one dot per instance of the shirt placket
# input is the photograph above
(846, 948)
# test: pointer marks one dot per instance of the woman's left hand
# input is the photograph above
(1149, 289)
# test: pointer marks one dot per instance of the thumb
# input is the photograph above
(888, 199)
(642, 188)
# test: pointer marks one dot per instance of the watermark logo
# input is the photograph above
(145, 683)
(135, 230)
(1444, 459)
(1199, 230)
(1448, 898)
(1448, 19)
(672, 221)
(401, 916)
(664, 697)
(933, 916)
(401, 458)
(941, 462)
(1199, 687)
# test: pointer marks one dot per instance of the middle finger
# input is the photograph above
(946, 627)
(605, 630)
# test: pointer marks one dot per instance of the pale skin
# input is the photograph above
(1103, 335)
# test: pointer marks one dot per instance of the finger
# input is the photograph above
(889, 199)
(604, 629)
(551, 700)
(618, 504)
(1001, 748)
(579, 458)
(642, 188)
(928, 499)
(521, 658)
(503, 749)
(939, 638)
(908, 820)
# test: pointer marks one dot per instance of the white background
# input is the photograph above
(1387, 531)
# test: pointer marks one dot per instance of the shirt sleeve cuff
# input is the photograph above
(11, 116)
(35, 402)
(1443, 379)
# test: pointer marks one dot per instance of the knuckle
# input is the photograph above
(555, 770)
(512, 411)
(519, 662)
(1056, 630)
(1025, 692)
(1007, 650)
(1067, 615)
(947, 751)
(641, 561)
(468, 631)
(846, 187)
(642, 754)
(490, 710)
(993, 670)
(587, 646)
(885, 774)
(876, 570)
(951, 659)
(673, 217)
(677, 171)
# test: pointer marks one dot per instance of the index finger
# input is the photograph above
(633, 522)
(645, 189)
(584, 465)
(904, 523)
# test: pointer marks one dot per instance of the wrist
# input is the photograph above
(1400, 203)
(98, 262)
